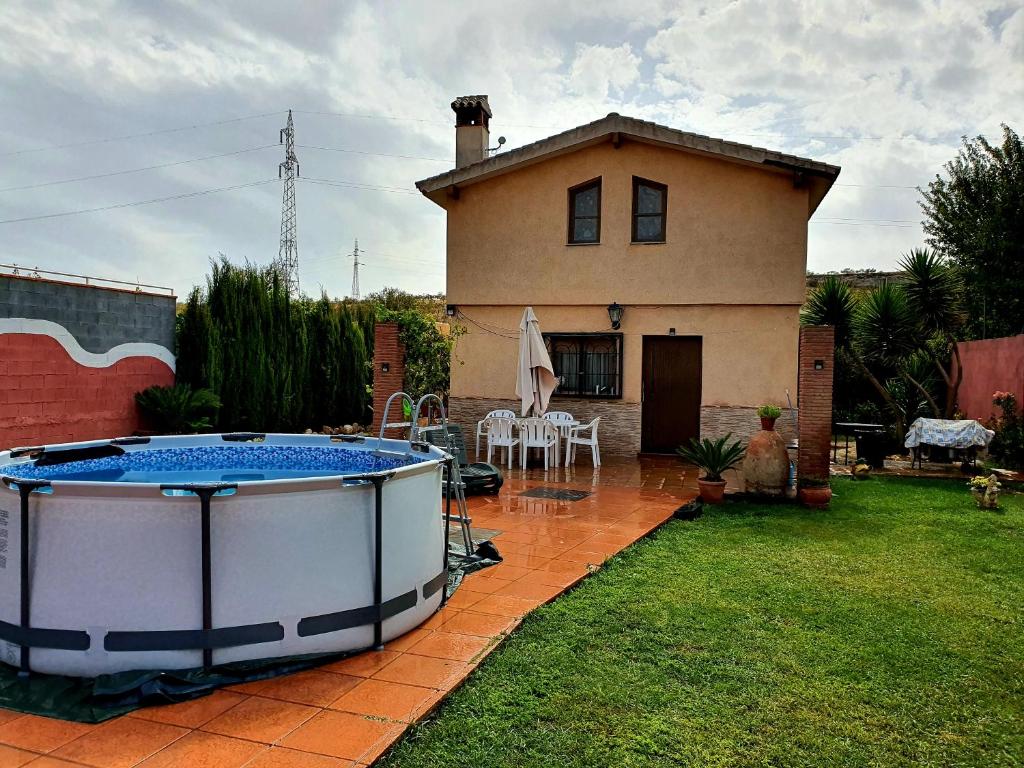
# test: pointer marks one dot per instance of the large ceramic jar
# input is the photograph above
(766, 466)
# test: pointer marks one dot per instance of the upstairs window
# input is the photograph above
(586, 364)
(649, 205)
(585, 213)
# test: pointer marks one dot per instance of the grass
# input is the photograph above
(887, 631)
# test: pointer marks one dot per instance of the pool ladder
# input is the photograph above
(458, 488)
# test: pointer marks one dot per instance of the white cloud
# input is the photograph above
(901, 80)
(599, 70)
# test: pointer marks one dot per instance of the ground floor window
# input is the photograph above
(587, 364)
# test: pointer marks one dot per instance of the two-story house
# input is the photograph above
(699, 244)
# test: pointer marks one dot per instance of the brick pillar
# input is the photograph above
(817, 358)
(388, 371)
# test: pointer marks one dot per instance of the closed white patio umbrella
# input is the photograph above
(535, 377)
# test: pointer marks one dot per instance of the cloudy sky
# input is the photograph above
(108, 90)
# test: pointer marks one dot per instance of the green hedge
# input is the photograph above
(277, 363)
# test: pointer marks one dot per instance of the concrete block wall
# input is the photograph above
(817, 348)
(73, 356)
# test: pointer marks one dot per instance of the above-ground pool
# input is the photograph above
(183, 552)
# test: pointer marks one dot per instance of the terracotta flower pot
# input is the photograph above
(768, 423)
(711, 491)
(815, 498)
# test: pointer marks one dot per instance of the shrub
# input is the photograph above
(1007, 447)
(713, 456)
(769, 411)
(178, 409)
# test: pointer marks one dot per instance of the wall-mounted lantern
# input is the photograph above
(615, 315)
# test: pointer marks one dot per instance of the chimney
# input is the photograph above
(472, 116)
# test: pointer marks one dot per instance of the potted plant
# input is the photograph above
(985, 491)
(814, 492)
(768, 414)
(861, 469)
(714, 457)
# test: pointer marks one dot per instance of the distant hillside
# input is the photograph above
(857, 278)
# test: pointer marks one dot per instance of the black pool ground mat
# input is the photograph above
(557, 494)
(95, 699)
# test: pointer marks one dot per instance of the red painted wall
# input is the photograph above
(47, 397)
(990, 365)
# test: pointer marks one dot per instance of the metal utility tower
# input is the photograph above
(288, 255)
(355, 271)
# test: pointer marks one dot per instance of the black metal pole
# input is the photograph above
(204, 500)
(25, 488)
(378, 560)
(447, 528)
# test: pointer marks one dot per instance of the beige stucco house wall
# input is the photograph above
(730, 271)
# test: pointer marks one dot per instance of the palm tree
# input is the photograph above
(833, 302)
(935, 293)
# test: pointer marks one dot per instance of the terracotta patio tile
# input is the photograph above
(381, 698)
(480, 624)
(407, 641)
(439, 618)
(52, 762)
(344, 735)
(525, 561)
(6, 715)
(552, 579)
(263, 720)
(312, 687)
(15, 758)
(281, 757)
(449, 645)
(41, 734)
(204, 750)
(501, 571)
(513, 607)
(424, 671)
(483, 586)
(120, 743)
(191, 714)
(531, 591)
(363, 664)
(463, 599)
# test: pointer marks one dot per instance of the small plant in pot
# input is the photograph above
(714, 457)
(985, 491)
(814, 492)
(768, 415)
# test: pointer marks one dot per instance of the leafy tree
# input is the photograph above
(975, 217)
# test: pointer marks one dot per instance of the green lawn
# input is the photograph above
(887, 631)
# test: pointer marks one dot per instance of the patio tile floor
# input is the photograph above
(347, 713)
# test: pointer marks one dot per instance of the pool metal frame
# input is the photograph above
(209, 637)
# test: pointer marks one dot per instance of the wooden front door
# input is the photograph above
(670, 410)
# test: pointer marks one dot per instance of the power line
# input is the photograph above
(139, 135)
(137, 202)
(356, 185)
(135, 170)
(376, 154)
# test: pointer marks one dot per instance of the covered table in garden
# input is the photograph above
(958, 434)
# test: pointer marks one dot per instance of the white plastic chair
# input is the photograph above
(564, 421)
(538, 433)
(576, 437)
(481, 426)
(500, 434)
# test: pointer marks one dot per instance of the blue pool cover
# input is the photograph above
(215, 463)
